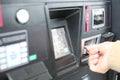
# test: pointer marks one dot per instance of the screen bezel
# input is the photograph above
(99, 25)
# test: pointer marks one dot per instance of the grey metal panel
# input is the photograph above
(30, 72)
(83, 72)
(36, 1)
(116, 18)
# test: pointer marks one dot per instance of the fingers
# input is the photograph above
(97, 56)
(96, 65)
(94, 62)
(92, 50)
(96, 68)
(93, 59)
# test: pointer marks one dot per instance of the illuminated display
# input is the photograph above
(98, 17)
(60, 43)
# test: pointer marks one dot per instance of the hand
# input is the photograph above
(98, 56)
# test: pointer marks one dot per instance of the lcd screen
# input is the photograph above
(60, 43)
(98, 17)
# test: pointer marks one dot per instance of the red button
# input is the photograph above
(1, 20)
(87, 19)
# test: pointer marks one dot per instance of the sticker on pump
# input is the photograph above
(1, 20)
(87, 19)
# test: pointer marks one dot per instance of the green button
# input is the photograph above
(33, 57)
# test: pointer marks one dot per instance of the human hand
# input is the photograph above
(98, 56)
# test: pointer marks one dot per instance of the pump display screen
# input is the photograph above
(98, 17)
(13, 50)
(60, 43)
